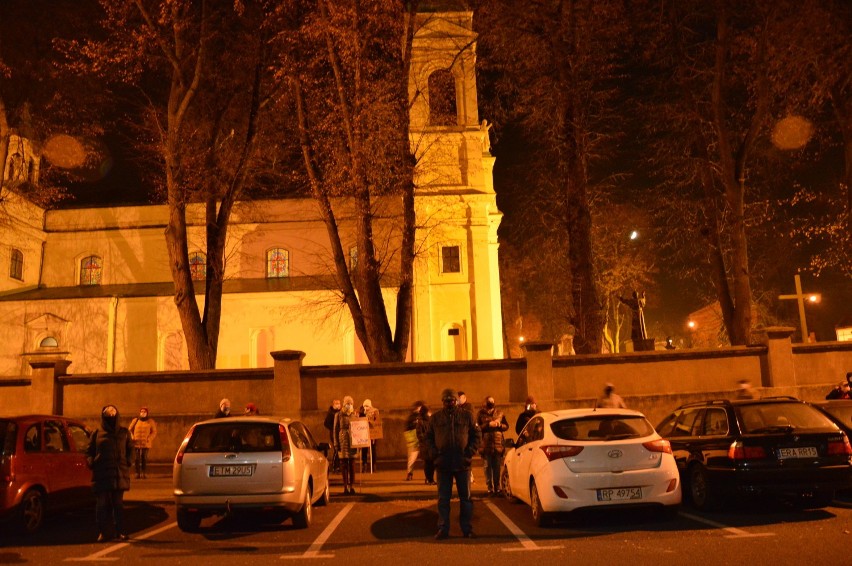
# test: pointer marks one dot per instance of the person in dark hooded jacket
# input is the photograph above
(109, 456)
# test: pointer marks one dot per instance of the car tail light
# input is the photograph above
(839, 447)
(739, 452)
(285, 443)
(182, 449)
(659, 445)
(556, 452)
(672, 485)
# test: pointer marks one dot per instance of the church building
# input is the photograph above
(93, 285)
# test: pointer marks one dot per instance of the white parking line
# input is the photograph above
(313, 551)
(736, 533)
(102, 555)
(526, 542)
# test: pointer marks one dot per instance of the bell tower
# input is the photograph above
(457, 283)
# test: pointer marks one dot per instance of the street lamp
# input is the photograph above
(812, 298)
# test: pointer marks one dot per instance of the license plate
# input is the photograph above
(803, 452)
(228, 471)
(620, 494)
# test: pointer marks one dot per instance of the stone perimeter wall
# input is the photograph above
(652, 382)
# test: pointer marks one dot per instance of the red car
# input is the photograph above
(42, 468)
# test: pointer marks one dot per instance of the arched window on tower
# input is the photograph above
(90, 270)
(442, 99)
(16, 265)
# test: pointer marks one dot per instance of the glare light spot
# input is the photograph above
(634, 234)
(792, 132)
(521, 339)
(691, 324)
(65, 151)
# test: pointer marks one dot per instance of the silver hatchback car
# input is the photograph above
(249, 463)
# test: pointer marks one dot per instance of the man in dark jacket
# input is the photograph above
(333, 409)
(492, 424)
(453, 438)
(109, 456)
(531, 409)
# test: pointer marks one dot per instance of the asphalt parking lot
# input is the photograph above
(392, 521)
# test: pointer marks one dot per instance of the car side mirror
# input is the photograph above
(509, 442)
(323, 447)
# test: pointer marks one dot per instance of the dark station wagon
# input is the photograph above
(42, 468)
(776, 446)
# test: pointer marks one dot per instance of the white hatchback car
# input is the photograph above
(249, 463)
(580, 458)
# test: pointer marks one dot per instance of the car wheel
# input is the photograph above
(504, 485)
(302, 519)
(701, 491)
(31, 511)
(188, 521)
(541, 518)
(326, 497)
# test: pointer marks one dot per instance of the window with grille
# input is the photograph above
(277, 263)
(90, 270)
(198, 265)
(451, 259)
(16, 265)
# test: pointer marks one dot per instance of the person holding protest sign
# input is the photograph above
(343, 444)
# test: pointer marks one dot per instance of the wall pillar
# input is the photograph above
(46, 393)
(287, 395)
(780, 371)
(539, 375)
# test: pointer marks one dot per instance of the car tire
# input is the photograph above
(326, 497)
(188, 521)
(504, 485)
(302, 518)
(31, 511)
(702, 493)
(540, 517)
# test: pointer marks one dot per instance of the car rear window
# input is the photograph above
(782, 417)
(8, 430)
(842, 413)
(609, 427)
(235, 437)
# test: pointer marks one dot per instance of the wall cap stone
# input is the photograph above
(287, 355)
(537, 346)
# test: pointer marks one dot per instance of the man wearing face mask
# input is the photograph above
(492, 422)
(109, 456)
(453, 439)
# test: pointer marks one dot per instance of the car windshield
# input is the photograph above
(7, 437)
(235, 437)
(781, 417)
(604, 427)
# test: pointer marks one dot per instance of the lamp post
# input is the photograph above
(813, 298)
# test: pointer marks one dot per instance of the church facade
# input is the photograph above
(93, 285)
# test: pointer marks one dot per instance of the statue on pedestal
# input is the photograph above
(637, 305)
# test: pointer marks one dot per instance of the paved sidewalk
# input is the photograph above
(386, 481)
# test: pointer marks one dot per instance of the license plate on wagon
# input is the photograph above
(620, 494)
(800, 452)
(232, 470)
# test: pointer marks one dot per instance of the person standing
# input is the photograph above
(611, 399)
(224, 409)
(368, 455)
(466, 405)
(422, 427)
(492, 423)
(343, 444)
(108, 456)
(411, 443)
(333, 409)
(530, 409)
(453, 439)
(143, 430)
